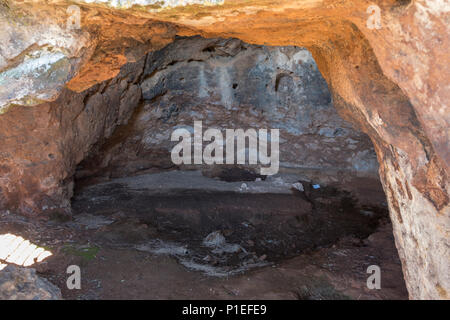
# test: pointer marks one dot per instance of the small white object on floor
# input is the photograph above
(243, 187)
(298, 186)
(214, 239)
(217, 241)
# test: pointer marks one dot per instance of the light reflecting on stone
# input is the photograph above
(17, 250)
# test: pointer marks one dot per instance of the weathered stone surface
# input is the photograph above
(18, 283)
(42, 145)
(228, 84)
(38, 56)
(393, 83)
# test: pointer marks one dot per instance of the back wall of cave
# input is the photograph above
(226, 83)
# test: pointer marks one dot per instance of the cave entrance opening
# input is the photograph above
(223, 220)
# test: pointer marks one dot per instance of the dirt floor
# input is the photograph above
(147, 242)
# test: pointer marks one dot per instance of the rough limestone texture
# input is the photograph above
(38, 56)
(18, 283)
(229, 84)
(37, 171)
(386, 68)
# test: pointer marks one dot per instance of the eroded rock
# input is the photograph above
(391, 82)
(228, 84)
(18, 283)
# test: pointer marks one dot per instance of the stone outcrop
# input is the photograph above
(18, 283)
(37, 171)
(390, 81)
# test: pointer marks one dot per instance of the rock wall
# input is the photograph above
(228, 84)
(42, 145)
(392, 82)
(46, 136)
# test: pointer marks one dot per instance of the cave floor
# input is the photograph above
(144, 241)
